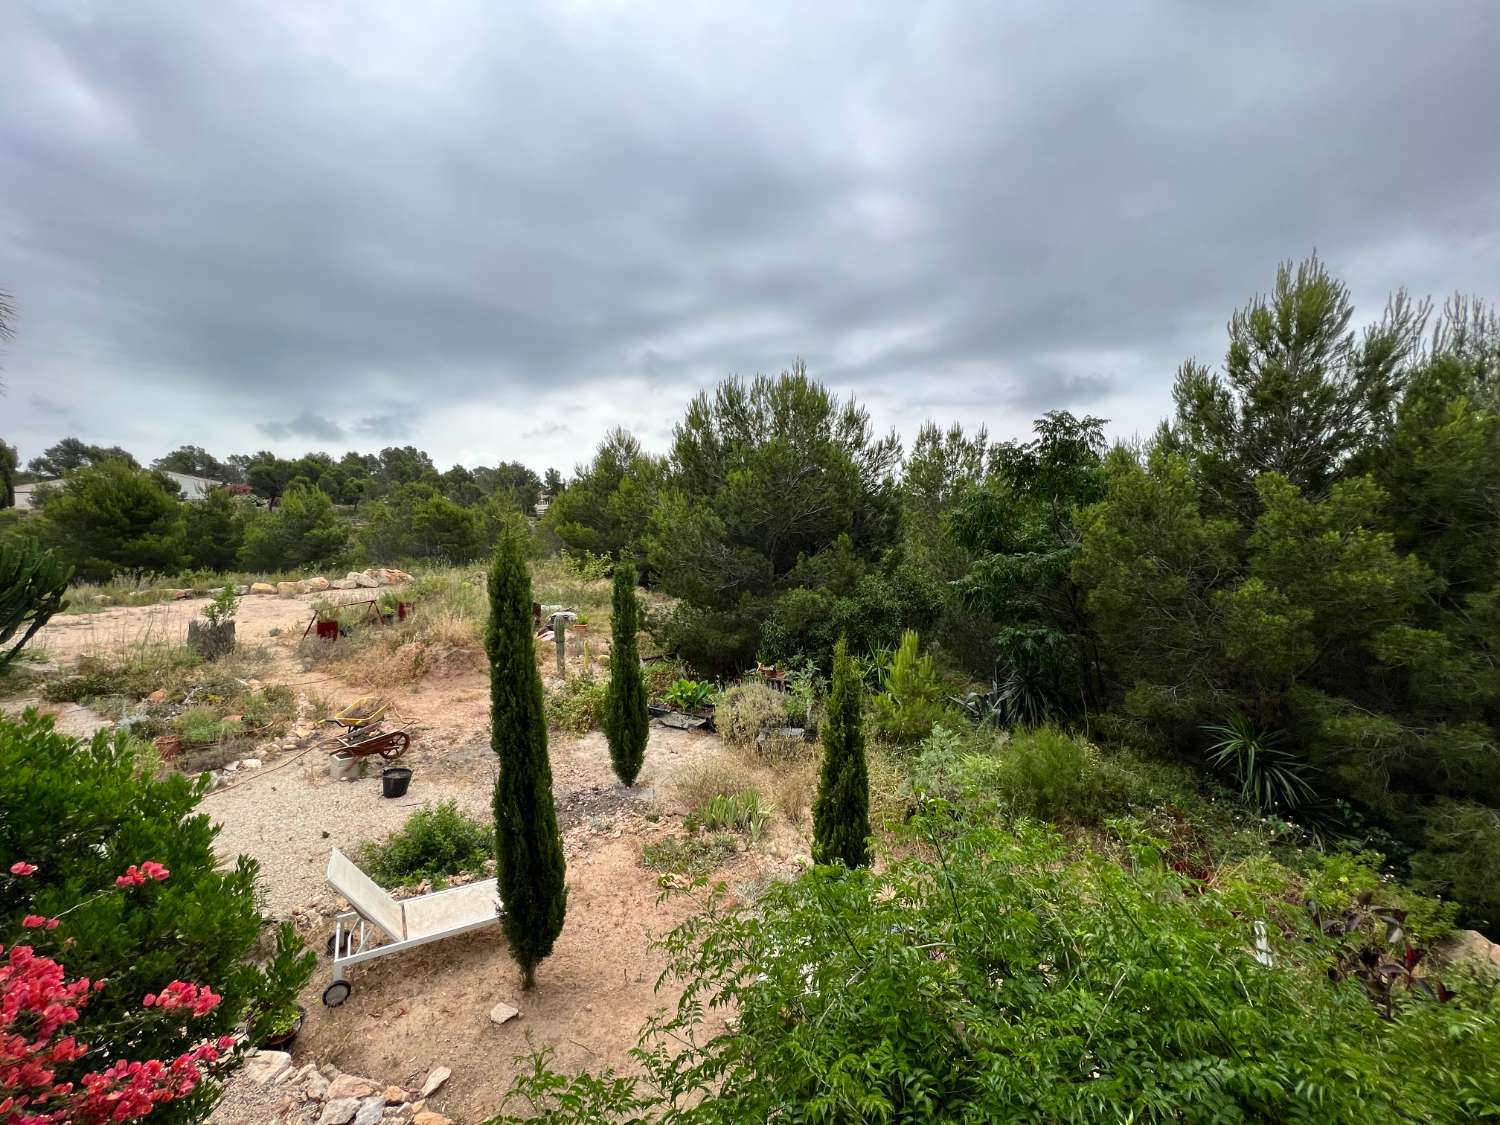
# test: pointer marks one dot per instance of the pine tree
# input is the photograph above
(626, 721)
(841, 814)
(528, 846)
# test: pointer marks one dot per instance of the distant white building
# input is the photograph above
(23, 493)
(193, 488)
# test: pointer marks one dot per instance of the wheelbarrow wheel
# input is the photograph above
(336, 993)
(399, 742)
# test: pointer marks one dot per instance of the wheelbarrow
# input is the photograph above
(362, 734)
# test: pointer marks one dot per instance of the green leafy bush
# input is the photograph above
(112, 516)
(436, 843)
(303, 529)
(746, 711)
(691, 695)
(992, 974)
(911, 699)
(578, 705)
(84, 814)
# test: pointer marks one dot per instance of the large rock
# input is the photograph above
(503, 1013)
(315, 1087)
(394, 576)
(370, 1111)
(366, 581)
(439, 1075)
(1470, 946)
(262, 588)
(315, 585)
(339, 1111)
(350, 1086)
(343, 584)
(264, 1067)
(287, 588)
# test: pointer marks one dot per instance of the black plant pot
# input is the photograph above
(394, 780)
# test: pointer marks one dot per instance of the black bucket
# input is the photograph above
(394, 780)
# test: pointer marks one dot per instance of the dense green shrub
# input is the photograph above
(302, 529)
(719, 644)
(436, 843)
(416, 521)
(215, 530)
(86, 813)
(992, 974)
(578, 705)
(911, 697)
(112, 516)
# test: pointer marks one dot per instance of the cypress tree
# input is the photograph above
(626, 721)
(528, 846)
(841, 813)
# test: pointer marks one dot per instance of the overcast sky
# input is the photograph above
(493, 230)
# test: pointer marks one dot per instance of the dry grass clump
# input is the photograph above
(792, 789)
(720, 774)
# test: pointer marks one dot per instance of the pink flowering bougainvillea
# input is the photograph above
(37, 1006)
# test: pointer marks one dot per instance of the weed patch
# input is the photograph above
(436, 843)
(691, 855)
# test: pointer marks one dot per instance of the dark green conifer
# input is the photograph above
(528, 847)
(626, 721)
(841, 814)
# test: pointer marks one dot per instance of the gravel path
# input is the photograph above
(289, 813)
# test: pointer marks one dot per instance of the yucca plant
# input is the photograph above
(1268, 775)
(32, 585)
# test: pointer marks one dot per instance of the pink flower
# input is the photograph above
(21, 867)
(37, 922)
(180, 994)
(154, 870)
(131, 878)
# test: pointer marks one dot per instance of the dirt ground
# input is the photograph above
(430, 1007)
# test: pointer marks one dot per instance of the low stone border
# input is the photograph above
(323, 1095)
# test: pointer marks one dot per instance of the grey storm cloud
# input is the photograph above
(525, 223)
(304, 425)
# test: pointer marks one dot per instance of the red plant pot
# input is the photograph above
(404, 610)
(328, 630)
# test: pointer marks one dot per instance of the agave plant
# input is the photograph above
(1269, 776)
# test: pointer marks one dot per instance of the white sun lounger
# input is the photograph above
(406, 923)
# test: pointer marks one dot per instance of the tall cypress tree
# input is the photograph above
(626, 721)
(528, 846)
(841, 814)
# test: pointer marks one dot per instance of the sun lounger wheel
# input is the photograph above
(336, 993)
